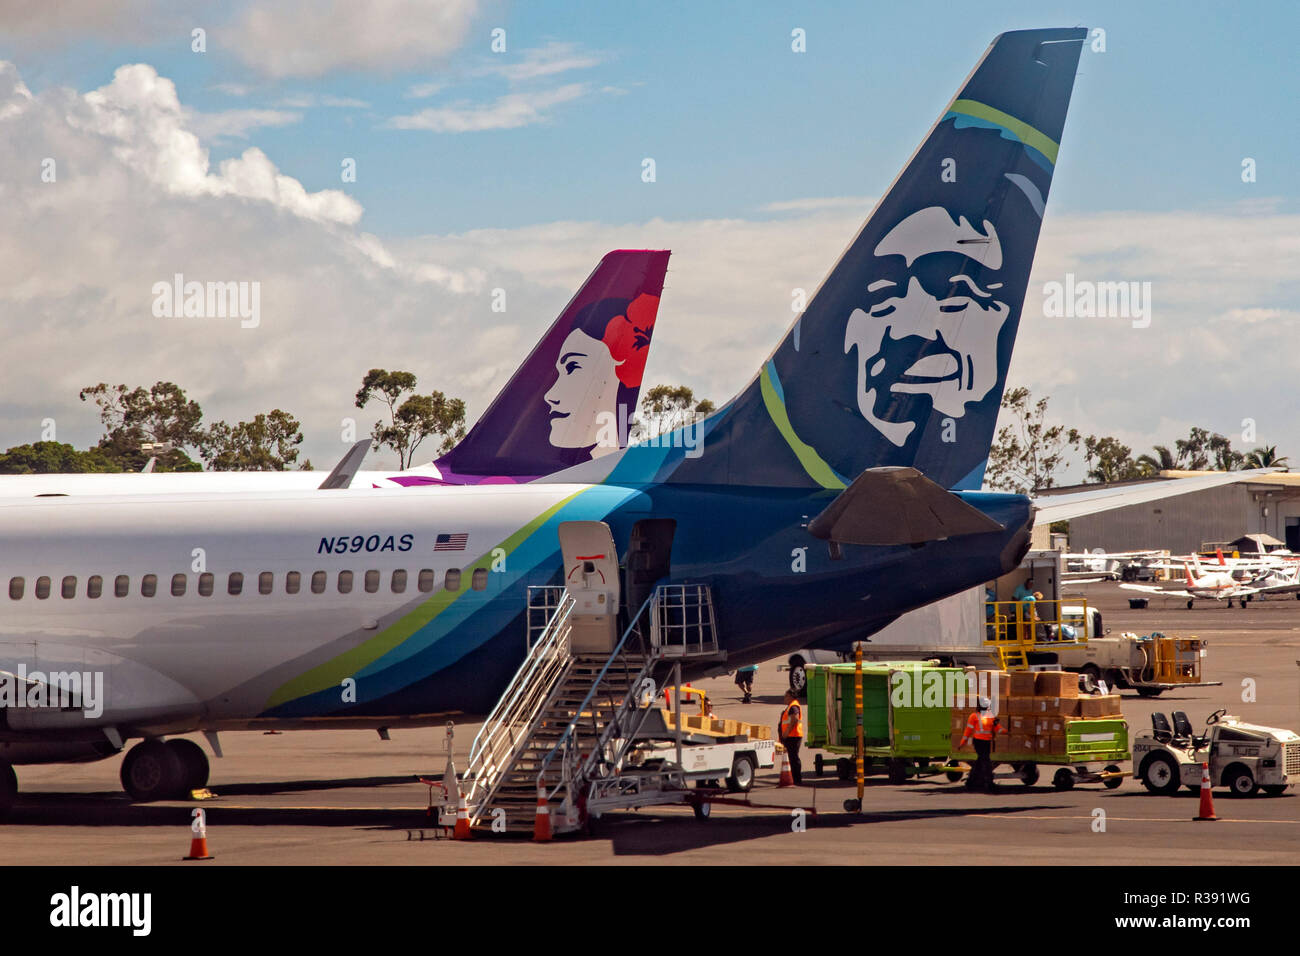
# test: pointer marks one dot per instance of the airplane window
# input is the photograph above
(318, 582)
(399, 581)
(372, 581)
(121, 585)
(42, 587)
(265, 582)
(425, 581)
(16, 586)
(205, 584)
(178, 585)
(235, 583)
(452, 580)
(345, 582)
(94, 586)
(479, 581)
(149, 585)
(292, 582)
(69, 589)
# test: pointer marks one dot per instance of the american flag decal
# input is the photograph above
(451, 542)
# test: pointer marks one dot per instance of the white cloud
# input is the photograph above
(283, 38)
(819, 203)
(238, 123)
(506, 112)
(549, 60)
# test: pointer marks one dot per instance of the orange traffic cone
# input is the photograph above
(783, 767)
(1207, 798)
(199, 840)
(542, 822)
(462, 820)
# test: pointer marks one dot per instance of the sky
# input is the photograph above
(479, 168)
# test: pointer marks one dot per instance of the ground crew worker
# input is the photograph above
(745, 681)
(791, 733)
(980, 727)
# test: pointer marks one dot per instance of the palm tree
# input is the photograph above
(1266, 457)
(1162, 460)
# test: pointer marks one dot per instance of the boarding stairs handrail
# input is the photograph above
(513, 720)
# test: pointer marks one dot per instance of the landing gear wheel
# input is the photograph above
(9, 788)
(852, 805)
(1029, 774)
(798, 677)
(1110, 783)
(845, 770)
(897, 771)
(1189, 604)
(194, 764)
(742, 774)
(953, 775)
(151, 771)
(1063, 779)
(1239, 782)
(819, 764)
(1159, 774)
(702, 810)
(1274, 789)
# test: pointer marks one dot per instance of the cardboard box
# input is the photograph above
(955, 741)
(1049, 726)
(1024, 743)
(1021, 723)
(1069, 707)
(1102, 705)
(1051, 744)
(1020, 705)
(1046, 705)
(1022, 683)
(993, 683)
(959, 717)
(1002, 744)
(1056, 684)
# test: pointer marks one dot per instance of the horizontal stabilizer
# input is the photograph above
(887, 506)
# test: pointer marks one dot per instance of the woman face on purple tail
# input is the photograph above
(586, 385)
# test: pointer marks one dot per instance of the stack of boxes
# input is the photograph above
(1035, 710)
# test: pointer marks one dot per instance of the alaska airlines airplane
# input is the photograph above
(834, 493)
(569, 401)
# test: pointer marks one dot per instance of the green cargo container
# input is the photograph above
(897, 721)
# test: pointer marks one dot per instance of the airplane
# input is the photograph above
(1231, 579)
(614, 310)
(835, 492)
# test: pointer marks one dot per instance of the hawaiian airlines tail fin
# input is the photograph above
(900, 357)
(572, 397)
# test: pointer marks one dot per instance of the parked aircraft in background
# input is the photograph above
(569, 401)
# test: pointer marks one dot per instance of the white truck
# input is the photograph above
(1243, 757)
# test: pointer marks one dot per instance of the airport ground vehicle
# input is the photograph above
(1148, 664)
(911, 729)
(1243, 757)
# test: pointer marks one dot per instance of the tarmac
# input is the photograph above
(332, 797)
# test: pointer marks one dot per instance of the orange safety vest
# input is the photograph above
(980, 726)
(792, 720)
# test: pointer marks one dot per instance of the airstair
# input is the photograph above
(570, 715)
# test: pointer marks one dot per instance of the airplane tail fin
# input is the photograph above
(1187, 573)
(900, 357)
(553, 414)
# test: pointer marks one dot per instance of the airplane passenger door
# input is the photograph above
(591, 578)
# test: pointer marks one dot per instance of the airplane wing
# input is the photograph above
(1050, 508)
(1152, 589)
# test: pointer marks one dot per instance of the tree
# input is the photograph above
(1151, 465)
(267, 443)
(1265, 457)
(413, 419)
(667, 407)
(51, 458)
(1109, 460)
(1028, 452)
(1202, 451)
(134, 417)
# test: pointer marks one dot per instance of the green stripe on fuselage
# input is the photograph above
(352, 662)
(813, 463)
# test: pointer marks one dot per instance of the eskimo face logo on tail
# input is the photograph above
(598, 370)
(928, 328)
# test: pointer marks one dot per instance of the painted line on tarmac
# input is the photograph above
(1111, 817)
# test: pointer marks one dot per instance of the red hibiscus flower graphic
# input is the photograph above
(628, 338)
